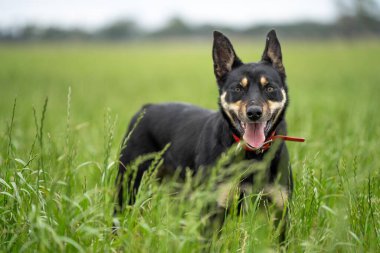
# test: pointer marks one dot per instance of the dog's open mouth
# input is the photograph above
(254, 134)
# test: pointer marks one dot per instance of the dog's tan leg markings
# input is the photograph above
(244, 82)
(225, 194)
(278, 195)
(263, 80)
(246, 188)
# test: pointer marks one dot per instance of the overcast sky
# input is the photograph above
(152, 14)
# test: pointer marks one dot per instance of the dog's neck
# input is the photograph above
(224, 129)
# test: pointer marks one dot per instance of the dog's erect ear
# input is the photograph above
(224, 56)
(272, 52)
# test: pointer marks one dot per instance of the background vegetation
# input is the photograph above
(355, 19)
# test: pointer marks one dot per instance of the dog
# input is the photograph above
(253, 98)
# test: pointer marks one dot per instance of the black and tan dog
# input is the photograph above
(253, 100)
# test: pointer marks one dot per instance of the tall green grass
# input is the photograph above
(64, 110)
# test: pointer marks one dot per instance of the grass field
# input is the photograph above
(64, 109)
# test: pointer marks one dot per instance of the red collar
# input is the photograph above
(268, 142)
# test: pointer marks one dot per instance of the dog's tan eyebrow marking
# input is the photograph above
(263, 80)
(244, 82)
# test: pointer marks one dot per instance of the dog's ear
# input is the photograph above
(272, 52)
(224, 56)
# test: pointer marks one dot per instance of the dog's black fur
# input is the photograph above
(249, 93)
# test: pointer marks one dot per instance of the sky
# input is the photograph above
(150, 14)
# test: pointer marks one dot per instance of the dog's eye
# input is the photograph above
(237, 89)
(270, 89)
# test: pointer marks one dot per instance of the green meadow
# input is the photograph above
(64, 109)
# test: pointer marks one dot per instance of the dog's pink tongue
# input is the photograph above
(254, 134)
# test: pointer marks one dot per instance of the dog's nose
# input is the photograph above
(254, 112)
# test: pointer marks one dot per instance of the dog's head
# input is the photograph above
(253, 96)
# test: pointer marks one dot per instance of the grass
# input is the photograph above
(64, 110)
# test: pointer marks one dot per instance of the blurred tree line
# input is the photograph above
(356, 18)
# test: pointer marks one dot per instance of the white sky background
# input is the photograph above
(150, 14)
